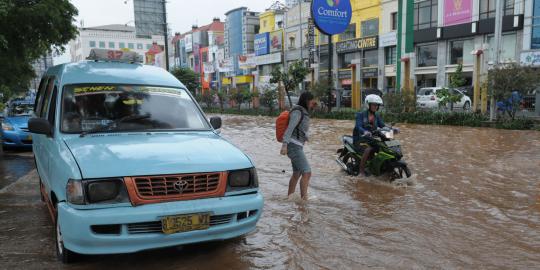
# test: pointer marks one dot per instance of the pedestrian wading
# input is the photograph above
(294, 138)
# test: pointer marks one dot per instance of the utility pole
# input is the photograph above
(330, 63)
(498, 36)
(166, 34)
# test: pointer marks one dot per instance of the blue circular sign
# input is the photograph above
(331, 17)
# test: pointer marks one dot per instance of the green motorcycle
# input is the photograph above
(387, 160)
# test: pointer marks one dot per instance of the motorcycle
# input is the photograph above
(387, 160)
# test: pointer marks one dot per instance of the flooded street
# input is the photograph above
(474, 204)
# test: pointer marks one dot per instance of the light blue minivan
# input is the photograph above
(128, 161)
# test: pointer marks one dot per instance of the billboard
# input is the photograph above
(457, 12)
(262, 44)
(149, 17)
(188, 39)
(247, 61)
(276, 41)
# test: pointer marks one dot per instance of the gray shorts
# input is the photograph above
(299, 161)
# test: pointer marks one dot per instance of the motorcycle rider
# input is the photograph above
(367, 121)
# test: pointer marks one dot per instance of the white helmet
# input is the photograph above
(373, 99)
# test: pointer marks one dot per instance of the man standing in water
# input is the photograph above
(366, 122)
(294, 138)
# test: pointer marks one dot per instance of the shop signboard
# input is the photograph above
(370, 72)
(530, 58)
(457, 12)
(225, 65)
(366, 43)
(268, 59)
(331, 17)
(388, 39)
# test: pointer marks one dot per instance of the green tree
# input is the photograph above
(457, 79)
(269, 98)
(448, 96)
(28, 30)
(188, 77)
(505, 79)
(207, 98)
(320, 91)
(291, 78)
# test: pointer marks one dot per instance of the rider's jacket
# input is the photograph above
(362, 124)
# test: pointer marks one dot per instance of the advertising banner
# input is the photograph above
(262, 44)
(246, 61)
(189, 43)
(276, 41)
(457, 12)
(208, 67)
(331, 17)
(225, 65)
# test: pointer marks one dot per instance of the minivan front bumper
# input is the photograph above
(140, 226)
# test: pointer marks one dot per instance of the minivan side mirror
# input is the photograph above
(215, 121)
(40, 126)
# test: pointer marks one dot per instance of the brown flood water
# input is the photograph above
(474, 204)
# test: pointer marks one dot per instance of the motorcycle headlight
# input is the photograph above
(6, 127)
(97, 191)
(242, 179)
(389, 134)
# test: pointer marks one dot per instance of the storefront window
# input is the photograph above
(487, 8)
(508, 48)
(535, 38)
(460, 52)
(346, 59)
(427, 55)
(370, 28)
(371, 58)
(390, 54)
(425, 14)
(350, 33)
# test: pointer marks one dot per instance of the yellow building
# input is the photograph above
(365, 11)
(267, 21)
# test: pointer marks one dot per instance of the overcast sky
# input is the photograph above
(181, 14)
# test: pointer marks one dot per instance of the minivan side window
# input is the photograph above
(47, 99)
(52, 107)
(39, 99)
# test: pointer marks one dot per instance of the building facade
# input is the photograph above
(268, 45)
(40, 66)
(241, 26)
(113, 37)
(446, 32)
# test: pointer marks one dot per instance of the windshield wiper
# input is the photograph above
(113, 123)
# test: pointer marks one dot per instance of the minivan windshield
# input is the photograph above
(110, 108)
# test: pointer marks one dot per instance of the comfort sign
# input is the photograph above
(331, 17)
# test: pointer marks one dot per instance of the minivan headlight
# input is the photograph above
(242, 179)
(97, 191)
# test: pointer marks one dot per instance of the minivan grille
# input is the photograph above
(152, 189)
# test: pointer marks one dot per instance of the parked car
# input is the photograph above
(127, 161)
(426, 98)
(14, 131)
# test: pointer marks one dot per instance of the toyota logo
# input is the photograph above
(180, 185)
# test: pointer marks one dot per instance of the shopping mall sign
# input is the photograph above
(366, 43)
(331, 17)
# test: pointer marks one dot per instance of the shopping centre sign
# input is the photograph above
(366, 43)
(331, 16)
